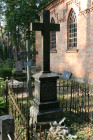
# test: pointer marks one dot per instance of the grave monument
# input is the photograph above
(6, 127)
(28, 64)
(45, 106)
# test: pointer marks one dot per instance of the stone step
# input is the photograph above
(49, 115)
(46, 116)
(46, 105)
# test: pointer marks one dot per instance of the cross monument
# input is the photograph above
(45, 27)
(45, 105)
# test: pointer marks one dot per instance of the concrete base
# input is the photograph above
(45, 106)
(47, 116)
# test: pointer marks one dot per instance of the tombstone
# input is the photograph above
(45, 106)
(29, 63)
(66, 75)
(18, 65)
(6, 127)
(16, 85)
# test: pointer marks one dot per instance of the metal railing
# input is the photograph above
(74, 98)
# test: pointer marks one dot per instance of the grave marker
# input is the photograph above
(6, 127)
(18, 65)
(66, 75)
(28, 65)
(45, 105)
(45, 27)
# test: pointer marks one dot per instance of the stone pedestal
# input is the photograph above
(45, 106)
(16, 85)
(6, 127)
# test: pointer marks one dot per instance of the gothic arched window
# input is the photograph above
(72, 30)
(53, 37)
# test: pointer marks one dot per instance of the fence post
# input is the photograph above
(6, 127)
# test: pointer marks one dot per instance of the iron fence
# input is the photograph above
(74, 98)
(19, 104)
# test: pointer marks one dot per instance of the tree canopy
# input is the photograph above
(18, 16)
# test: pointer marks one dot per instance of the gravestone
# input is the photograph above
(28, 65)
(66, 75)
(6, 127)
(16, 85)
(18, 65)
(45, 106)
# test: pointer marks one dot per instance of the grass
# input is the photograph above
(79, 127)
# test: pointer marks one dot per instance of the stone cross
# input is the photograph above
(27, 54)
(45, 27)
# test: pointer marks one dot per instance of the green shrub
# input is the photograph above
(6, 68)
(2, 96)
(2, 102)
(2, 106)
(8, 63)
(1, 64)
(5, 72)
(2, 86)
(14, 70)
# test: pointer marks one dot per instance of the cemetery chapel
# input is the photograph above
(71, 48)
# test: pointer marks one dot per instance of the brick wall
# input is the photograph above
(79, 62)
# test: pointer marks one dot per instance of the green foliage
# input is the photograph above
(5, 72)
(42, 3)
(8, 63)
(1, 64)
(6, 68)
(81, 136)
(2, 85)
(2, 102)
(18, 16)
(14, 70)
(5, 55)
(2, 106)
(1, 50)
(2, 96)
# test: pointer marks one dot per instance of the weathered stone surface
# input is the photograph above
(45, 116)
(45, 87)
(66, 75)
(60, 131)
(41, 76)
(18, 65)
(6, 127)
(45, 106)
(16, 84)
